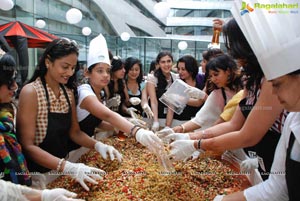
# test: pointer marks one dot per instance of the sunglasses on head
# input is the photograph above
(67, 41)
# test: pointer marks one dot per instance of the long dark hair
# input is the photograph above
(57, 49)
(129, 62)
(239, 48)
(225, 62)
(162, 81)
(116, 64)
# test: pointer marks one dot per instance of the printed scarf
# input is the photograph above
(15, 166)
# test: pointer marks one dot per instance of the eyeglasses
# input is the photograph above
(10, 82)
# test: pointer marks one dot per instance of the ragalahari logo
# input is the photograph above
(246, 8)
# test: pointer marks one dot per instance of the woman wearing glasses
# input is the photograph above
(12, 159)
(47, 117)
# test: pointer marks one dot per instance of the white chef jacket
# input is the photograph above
(275, 187)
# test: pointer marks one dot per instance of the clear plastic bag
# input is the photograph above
(174, 97)
(164, 161)
(231, 158)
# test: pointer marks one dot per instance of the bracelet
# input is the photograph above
(59, 164)
(183, 128)
(131, 130)
(137, 130)
(199, 144)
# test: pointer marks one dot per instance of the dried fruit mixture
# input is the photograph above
(140, 177)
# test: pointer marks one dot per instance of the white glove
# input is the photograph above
(176, 136)
(194, 92)
(81, 172)
(38, 181)
(196, 154)
(131, 111)
(249, 164)
(155, 126)
(138, 122)
(181, 149)
(135, 100)
(219, 198)
(11, 191)
(58, 194)
(103, 149)
(114, 101)
(149, 140)
(164, 132)
(148, 111)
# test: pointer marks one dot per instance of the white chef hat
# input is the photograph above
(98, 52)
(274, 37)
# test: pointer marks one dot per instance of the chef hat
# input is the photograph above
(274, 37)
(98, 51)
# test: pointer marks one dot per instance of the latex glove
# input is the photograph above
(148, 111)
(219, 198)
(181, 149)
(58, 194)
(155, 126)
(38, 181)
(135, 100)
(11, 191)
(196, 154)
(103, 149)
(131, 111)
(164, 132)
(81, 172)
(149, 140)
(194, 92)
(249, 164)
(138, 122)
(176, 136)
(113, 102)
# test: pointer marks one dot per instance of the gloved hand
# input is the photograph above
(134, 100)
(114, 101)
(219, 198)
(138, 122)
(148, 111)
(38, 181)
(176, 136)
(194, 92)
(81, 172)
(196, 154)
(164, 132)
(103, 149)
(149, 140)
(181, 149)
(11, 191)
(131, 111)
(249, 164)
(155, 126)
(58, 194)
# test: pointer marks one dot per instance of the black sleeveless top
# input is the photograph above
(265, 149)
